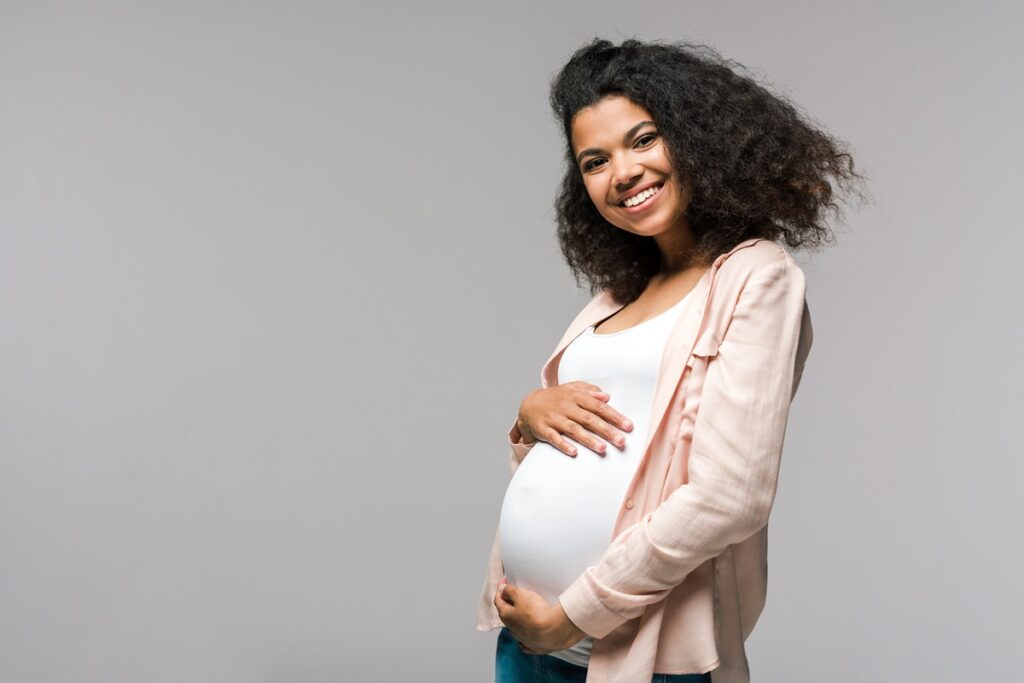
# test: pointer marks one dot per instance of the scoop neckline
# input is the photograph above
(591, 331)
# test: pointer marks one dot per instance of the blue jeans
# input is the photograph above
(512, 665)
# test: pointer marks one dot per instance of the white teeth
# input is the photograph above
(642, 197)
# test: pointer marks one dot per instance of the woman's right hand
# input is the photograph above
(576, 409)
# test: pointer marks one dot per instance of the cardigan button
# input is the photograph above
(629, 504)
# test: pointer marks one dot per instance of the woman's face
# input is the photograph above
(621, 155)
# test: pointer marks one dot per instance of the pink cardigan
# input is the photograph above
(684, 580)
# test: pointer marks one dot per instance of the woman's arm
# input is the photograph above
(733, 463)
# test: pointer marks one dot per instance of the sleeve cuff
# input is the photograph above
(515, 440)
(584, 608)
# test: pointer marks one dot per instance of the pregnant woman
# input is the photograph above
(632, 540)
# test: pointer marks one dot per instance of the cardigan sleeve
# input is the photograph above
(733, 462)
(518, 448)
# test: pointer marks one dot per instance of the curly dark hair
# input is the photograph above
(758, 168)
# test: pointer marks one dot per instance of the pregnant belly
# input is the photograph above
(559, 513)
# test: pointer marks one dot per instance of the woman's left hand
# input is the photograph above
(539, 627)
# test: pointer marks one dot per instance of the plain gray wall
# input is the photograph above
(251, 256)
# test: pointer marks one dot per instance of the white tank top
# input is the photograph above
(559, 512)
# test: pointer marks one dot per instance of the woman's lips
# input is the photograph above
(646, 204)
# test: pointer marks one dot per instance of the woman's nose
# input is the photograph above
(625, 173)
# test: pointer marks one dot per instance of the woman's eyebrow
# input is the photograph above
(625, 138)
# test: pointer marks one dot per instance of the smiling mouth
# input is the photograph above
(641, 198)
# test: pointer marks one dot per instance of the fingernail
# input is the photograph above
(627, 424)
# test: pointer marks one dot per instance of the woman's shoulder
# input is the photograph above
(754, 254)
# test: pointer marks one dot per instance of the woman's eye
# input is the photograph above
(590, 165)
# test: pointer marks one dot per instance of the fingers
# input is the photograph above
(600, 406)
(554, 437)
(593, 431)
(500, 603)
(607, 413)
(587, 386)
(571, 427)
(602, 419)
(579, 430)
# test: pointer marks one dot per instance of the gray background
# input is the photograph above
(274, 278)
